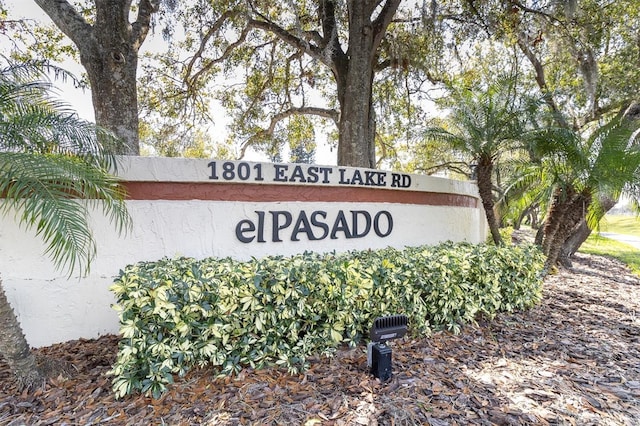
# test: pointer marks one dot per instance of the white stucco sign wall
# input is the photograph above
(201, 208)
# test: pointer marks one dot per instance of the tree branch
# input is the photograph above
(70, 22)
(524, 8)
(286, 36)
(203, 44)
(456, 166)
(383, 20)
(327, 15)
(541, 80)
(268, 132)
(313, 36)
(140, 28)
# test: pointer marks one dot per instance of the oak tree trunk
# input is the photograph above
(109, 53)
(354, 72)
(353, 69)
(112, 75)
(356, 141)
(356, 144)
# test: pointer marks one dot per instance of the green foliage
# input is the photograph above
(602, 246)
(577, 56)
(178, 313)
(29, 40)
(619, 224)
(483, 127)
(302, 143)
(506, 234)
(49, 158)
(266, 62)
(603, 165)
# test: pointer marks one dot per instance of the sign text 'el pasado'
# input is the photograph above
(276, 225)
(280, 225)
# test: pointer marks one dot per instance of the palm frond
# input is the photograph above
(54, 167)
(31, 120)
(46, 188)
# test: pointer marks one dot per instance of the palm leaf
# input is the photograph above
(32, 121)
(54, 169)
(45, 190)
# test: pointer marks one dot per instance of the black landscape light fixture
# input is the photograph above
(378, 353)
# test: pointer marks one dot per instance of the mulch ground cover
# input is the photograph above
(572, 360)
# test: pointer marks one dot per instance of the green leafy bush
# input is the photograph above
(178, 313)
(506, 233)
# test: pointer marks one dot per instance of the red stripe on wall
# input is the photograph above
(275, 193)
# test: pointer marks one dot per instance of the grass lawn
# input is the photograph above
(629, 225)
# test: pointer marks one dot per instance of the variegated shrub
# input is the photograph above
(179, 313)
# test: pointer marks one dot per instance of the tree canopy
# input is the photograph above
(321, 59)
(372, 75)
(106, 37)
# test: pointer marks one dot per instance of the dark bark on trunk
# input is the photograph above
(356, 143)
(529, 212)
(109, 52)
(547, 95)
(581, 232)
(354, 73)
(562, 198)
(568, 218)
(539, 236)
(518, 222)
(484, 171)
(353, 70)
(112, 74)
(534, 217)
(14, 348)
(578, 236)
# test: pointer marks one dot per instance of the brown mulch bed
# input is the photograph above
(574, 359)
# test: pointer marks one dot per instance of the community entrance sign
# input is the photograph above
(203, 207)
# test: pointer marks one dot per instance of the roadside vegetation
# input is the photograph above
(621, 224)
(603, 246)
